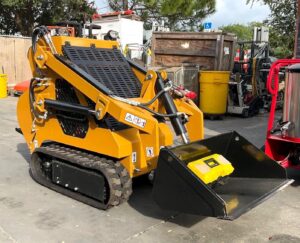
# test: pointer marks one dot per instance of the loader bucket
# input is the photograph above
(255, 178)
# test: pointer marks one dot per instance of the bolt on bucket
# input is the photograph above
(254, 179)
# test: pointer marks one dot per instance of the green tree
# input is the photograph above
(22, 15)
(7, 27)
(243, 32)
(176, 14)
(282, 23)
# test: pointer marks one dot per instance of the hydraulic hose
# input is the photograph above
(144, 105)
(178, 114)
(42, 31)
(31, 97)
(37, 33)
(166, 89)
(32, 100)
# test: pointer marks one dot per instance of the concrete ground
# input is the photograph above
(32, 213)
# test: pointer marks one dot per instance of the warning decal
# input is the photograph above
(135, 120)
(149, 151)
(133, 157)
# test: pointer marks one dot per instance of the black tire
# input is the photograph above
(126, 181)
(245, 113)
(118, 183)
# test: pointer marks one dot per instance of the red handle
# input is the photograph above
(274, 73)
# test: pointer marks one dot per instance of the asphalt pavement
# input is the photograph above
(32, 213)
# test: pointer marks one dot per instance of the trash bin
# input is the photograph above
(213, 92)
(3, 85)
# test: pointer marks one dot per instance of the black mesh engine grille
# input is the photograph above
(107, 66)
(72, 124)
(113, 124)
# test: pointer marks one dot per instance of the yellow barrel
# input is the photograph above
(213, 92)
(3, 85)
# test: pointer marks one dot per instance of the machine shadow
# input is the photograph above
(295, 175)
(24, 151)
(141, 200)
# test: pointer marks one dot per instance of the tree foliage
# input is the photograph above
(20, 16)
(282, 23)
(176, 14)
(243, 32)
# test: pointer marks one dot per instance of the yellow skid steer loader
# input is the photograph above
(94, 120)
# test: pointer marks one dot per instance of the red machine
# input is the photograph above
(283, 135)
(99, 16)
(20, 88)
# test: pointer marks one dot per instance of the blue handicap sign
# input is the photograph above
(207, 25)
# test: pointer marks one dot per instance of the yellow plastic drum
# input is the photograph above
(213, 92)
(3, 85)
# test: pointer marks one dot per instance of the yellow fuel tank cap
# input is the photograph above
(210, 168)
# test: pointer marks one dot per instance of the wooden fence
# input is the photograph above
(13, 58)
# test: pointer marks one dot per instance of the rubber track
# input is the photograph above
(117, 177)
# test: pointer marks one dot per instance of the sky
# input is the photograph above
(236, 11)
(228, 12)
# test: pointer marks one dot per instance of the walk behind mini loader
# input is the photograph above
(94, 120)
